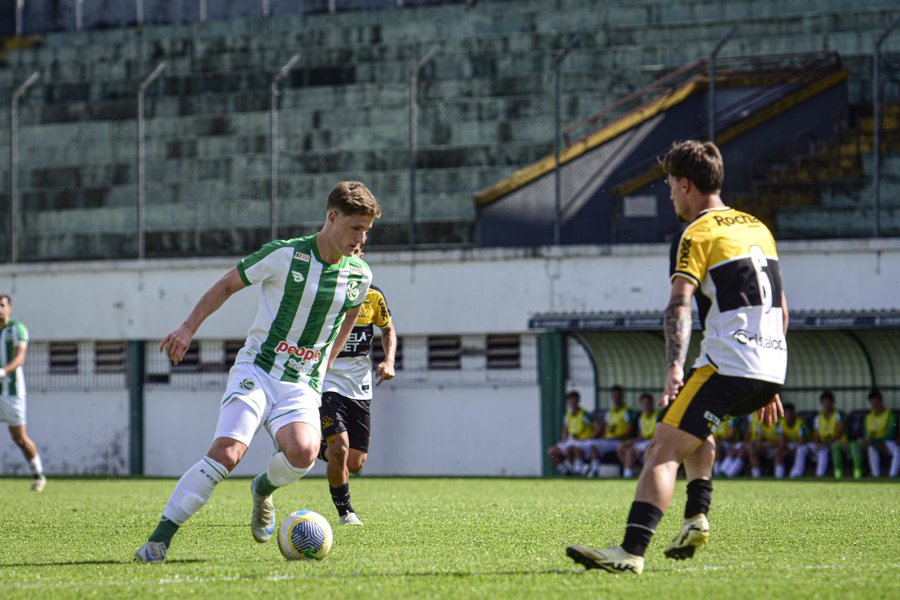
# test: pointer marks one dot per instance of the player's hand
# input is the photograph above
(384, 372)
(771, 412)
(176, 344)
(674, 383)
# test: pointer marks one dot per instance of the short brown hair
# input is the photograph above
(8, 298)
(353, 198)
(699, 162)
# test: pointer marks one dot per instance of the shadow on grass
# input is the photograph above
(75, 563)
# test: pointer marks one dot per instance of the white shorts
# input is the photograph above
(272, 403)
(12, 410)
(604, 445)
(566, 445)
(640, 446)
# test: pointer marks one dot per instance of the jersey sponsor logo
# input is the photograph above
(714, 421)
(356, 271)
(248, 384)
(301, 256)
(684, 253)
(746, 338)
(306, 355)
(298, 276)
(356, 338)
(353, 290)
(738, 220)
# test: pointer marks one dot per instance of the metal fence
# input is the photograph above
(421, 362)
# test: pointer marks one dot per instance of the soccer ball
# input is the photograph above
(303, 535)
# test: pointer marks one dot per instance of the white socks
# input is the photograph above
(799, 462)
(193, 490)
(280, 472)
(37, 467)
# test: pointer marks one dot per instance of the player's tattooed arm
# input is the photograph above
(677, 324)
(677, 329)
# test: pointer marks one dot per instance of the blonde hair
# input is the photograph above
(353, 198)
(699, 162)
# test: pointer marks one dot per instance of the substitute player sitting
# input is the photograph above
(311, 289)
(611, 431)
(763, 438)
(347, 398)
(881, 427)
(631, 451)
(792, 441)
(578, 427)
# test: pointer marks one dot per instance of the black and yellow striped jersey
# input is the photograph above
(351, 373)
(731, 257)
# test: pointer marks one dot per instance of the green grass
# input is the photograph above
(457, 538)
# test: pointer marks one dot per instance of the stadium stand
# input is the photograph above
(486, 109)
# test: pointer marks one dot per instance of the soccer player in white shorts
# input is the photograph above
(311, 291)
(13, 348)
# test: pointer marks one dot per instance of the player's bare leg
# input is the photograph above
(655, 487)
(343, 460)
(298, 445)
(694, 531)
(19, 435)
(191, 493)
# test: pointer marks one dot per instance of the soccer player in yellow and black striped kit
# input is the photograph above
(727, 260)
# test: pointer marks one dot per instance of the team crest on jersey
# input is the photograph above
(353, 290)
(248, 384)
(297, 275)
(301, 256)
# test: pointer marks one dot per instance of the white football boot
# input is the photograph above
(350, 518)
(262, 521)
(151, 552)
(694, 534)
(612, 560)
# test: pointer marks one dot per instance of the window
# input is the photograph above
(232, 347)
(109, 357)
(504, 352)
(444, 352)
(63, 358)
(378, 354)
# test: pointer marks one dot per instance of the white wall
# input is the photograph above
(471, 291)
(441, 429)
(415, 431)
(76, 432)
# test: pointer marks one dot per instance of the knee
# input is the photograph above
(355, 461)
(303, 454)
(227, 454)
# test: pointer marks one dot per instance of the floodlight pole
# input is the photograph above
(142, 175)
(413, 137)
(139, 11)
(273, 142)
(20, 9)
(265, 8)
(14, 164)
(711, 111)
(557, 101)
(876, 105)
(202, 10)
(79, 14)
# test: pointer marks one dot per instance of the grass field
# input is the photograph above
(456, 538)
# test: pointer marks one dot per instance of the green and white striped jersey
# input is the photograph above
(12, 334)
(302, 304)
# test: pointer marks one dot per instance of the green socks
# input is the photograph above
(164, 532)
(264, 487)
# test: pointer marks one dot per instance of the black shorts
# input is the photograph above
(709, 398)
(340, 414)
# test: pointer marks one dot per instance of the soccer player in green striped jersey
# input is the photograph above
(13, 346)
(311, 289)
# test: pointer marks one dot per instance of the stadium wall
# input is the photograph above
(452, 425)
